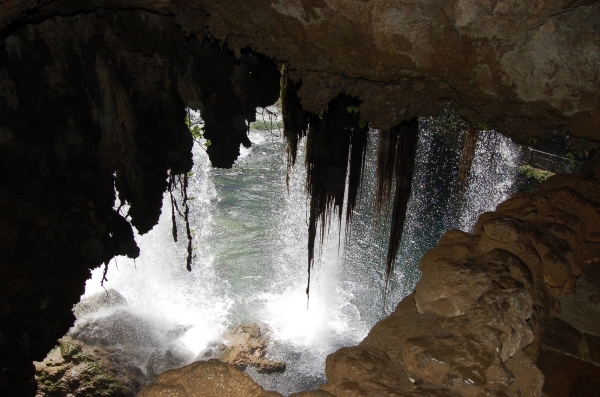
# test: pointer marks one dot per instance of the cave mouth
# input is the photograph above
(104, 106)
(249, 248)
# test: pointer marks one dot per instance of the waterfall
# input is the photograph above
(250, 243)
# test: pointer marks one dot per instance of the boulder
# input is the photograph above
(129, 337)
(245, 346)
(73, 369)
(99, 301)
(205, 379)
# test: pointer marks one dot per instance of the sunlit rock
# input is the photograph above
(205, 379)
(246, 346)
(102, 300)
(75, 369)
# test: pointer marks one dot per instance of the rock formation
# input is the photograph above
(75, 369)
(93, 97)
(205, 379)
(99, 301)
(246, 346)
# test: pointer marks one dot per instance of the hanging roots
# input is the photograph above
(175, 180)
(332, 140)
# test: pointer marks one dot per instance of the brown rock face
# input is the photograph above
(205, 379)
(476, 320)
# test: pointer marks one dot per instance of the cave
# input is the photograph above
(93, 99)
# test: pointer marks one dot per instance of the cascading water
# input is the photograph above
(494, 169)
(249, 265)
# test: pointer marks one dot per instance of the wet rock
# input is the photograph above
(480, 312)
(312, 393)
(119, 328)
(75, 370)
(245, 346)
(205, 379)
(130, 338)
(99, 301)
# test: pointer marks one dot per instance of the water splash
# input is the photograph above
(494, 169)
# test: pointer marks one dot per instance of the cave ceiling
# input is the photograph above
(528, 69)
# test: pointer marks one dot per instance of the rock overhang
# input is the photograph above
(527, 70)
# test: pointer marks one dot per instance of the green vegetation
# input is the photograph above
(530, 178)
(196, 127)
(356, 110)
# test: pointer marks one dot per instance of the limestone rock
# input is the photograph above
(581, 378)
(119, 328)
(361, 364)
(474, 324)
(74, 369)
(99, 301)
(528, 379)
(128, 337)
(205, 379)
(245, 346)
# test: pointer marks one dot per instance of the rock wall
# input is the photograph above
(475, 322)
(88, 104)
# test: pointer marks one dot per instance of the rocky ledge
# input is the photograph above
(478, 318)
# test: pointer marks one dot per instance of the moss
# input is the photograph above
(72, 369)
(530, 178)
(68, 350)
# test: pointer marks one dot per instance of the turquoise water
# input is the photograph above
(250, 247)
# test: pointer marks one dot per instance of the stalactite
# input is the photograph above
(386, 152)
(466, 158)
(295, 120)
(358, 152)
(407, 134)
(328, 149)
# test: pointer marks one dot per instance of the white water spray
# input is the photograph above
(250, 262)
